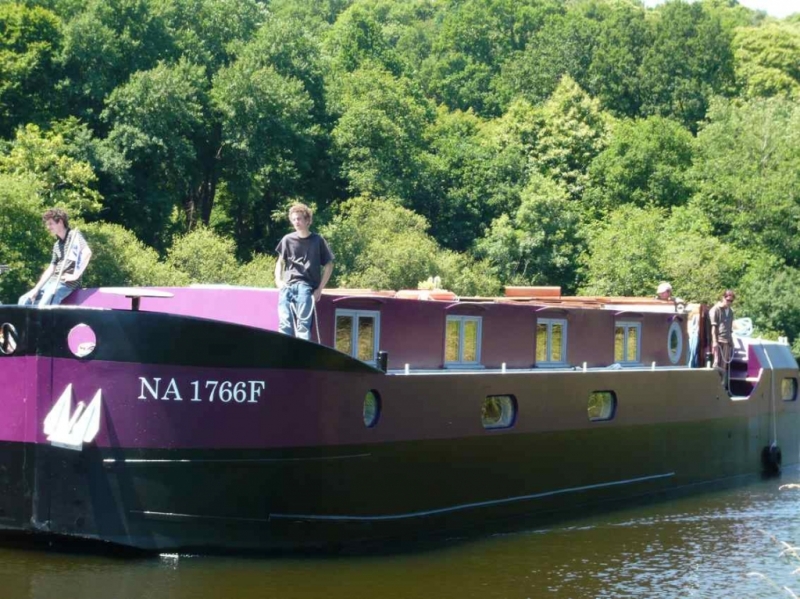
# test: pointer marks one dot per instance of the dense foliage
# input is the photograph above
(592, 144)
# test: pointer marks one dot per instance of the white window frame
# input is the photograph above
(355, 315)
(550, 322)
(675, 329)
(461, 363)
(627, 325)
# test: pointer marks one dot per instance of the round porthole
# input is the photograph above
(675, 342)
(372, 408)
(8, 339)
(81, 340)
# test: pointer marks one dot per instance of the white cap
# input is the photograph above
(664, 287)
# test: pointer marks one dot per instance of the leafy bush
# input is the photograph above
(380, 245)
(202, 256)
(259, 272)
(25, 246)
(120, 259)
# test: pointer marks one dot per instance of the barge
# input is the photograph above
(181, 420)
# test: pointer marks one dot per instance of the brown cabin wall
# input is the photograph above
(590, 338)
(507, 336)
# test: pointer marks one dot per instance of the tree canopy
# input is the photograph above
(594, 144)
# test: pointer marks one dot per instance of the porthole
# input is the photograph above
(602, 405)
(789, 389)
(675, 342)
(499, 411)
(8, 339)
(81, 340)
(372, 408)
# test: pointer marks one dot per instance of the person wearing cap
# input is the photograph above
(721, 318)
(664, 292)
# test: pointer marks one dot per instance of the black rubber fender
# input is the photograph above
(771, 459)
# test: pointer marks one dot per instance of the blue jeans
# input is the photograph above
(296, 309)
(53, 293)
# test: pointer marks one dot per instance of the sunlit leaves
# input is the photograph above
(748, 174)
(48, 159)
(768, 59)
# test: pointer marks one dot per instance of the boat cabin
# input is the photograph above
(528, 328)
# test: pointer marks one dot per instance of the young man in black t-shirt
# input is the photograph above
(304, 266)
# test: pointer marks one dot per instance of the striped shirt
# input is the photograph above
(67, 255)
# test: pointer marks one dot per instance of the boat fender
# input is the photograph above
(771, 459)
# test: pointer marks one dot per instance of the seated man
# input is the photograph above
(70, 258)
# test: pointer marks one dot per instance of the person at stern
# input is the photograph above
(304, 266)
(70, 258)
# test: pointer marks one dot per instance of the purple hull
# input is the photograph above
(218, 435)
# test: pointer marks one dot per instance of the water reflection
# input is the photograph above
(695, 547)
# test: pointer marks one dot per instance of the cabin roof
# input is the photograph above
(544, 297)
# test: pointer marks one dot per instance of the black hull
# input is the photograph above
(329, 498)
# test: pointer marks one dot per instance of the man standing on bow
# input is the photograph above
(721, 317)
(70, 258)
(304, 266)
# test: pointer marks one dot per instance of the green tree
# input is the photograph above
(380, 134)
(381, 245)
(204, 257)
(25, 241)
(258, 272)
(646, 163)
(690, 60)
(120, 259)
(699, 265)
(48, 158)
(625, 252)
(408, 27)
(540, 243)
(747, 175)
(467, 178)
(317, 15)
(356, 38)
(613, 75)
(268, 148)
(563, 46)
(768, 59)
(104, 44)
(159, 123)
(769, 296)
(475, 38)
(569, 131)
(205, 32)
(30, 40)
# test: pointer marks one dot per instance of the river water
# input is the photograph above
(722, 544)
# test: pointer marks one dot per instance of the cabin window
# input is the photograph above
(602, 405)
(372, 408)
(675, 342)
(462, 343)
(357, 333)
(789, 389)
(499, 411)
(627, 342)
(551, 341)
